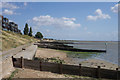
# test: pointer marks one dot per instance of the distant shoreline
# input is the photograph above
(85, 41)
(76, 40)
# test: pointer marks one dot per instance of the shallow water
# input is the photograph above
(111, 47)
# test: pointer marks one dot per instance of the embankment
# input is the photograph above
(12, 40)
(12, 44)
(7, 65)
(6, 60)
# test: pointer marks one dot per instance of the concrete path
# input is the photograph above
(6, 65)
(6, 54)
(28, 53)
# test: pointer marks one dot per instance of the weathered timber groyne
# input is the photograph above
(63, 46)
(61, 68)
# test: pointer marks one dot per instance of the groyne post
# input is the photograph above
(60, 68)
(79, 69)
(22, 62)
(13, 61)
(98, 72)
(40, 65)
(118, 78)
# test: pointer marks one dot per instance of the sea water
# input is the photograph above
(111, 54)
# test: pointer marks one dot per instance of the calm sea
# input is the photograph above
(111, 47)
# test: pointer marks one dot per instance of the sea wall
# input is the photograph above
(7, 67)
(6, 64)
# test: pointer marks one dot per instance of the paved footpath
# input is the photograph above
(28, 53)
(6, 66)
(6, 54)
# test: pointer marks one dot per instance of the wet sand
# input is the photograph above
(95, 63)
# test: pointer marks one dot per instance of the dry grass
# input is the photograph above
(13, 40)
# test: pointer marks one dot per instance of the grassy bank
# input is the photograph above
(13, 40)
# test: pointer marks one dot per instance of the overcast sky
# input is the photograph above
(68, 20)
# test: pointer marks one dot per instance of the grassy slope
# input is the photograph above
(13, 40)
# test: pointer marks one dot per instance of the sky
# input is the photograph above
(94, 21)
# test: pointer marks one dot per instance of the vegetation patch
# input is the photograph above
(12, 75)
(54, 60)
(82, 55)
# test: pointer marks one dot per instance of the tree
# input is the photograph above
(26, 29)
(39, 35)
(30, 32)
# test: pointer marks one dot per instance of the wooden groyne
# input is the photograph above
(66, 69)
(63, 46)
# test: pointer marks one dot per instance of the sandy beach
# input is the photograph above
(30, 73)
(101, 63)
(34, 74)
(51, 53)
